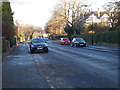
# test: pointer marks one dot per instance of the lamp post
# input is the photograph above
(92, 39)
(92, 31)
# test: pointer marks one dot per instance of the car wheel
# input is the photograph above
(61, 43)
(46, 50)
(76, 45)
(71, 45)
(31, 51)
(84, 45)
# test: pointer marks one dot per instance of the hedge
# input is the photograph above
(57, 37)
(12, 41)
(104, 37)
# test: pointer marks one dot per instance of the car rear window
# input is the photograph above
(65, 39)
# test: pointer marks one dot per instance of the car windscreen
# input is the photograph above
(38, 41)
(65, 39)
(79, 39)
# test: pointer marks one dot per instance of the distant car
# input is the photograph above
(64, 41)
(78, 42)
(38, 45)
(46, 38)
(20, 43)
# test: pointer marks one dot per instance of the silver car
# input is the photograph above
(78, 42)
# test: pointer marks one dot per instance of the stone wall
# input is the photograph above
(0, 47)
(5, 47)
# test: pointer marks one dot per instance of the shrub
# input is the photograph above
(12, 41)
(57, 37)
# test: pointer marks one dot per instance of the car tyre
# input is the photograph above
(84, 45)
(46, 50)
(76, 45)
(71, 45)
(31, 51)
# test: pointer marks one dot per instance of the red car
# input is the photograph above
(64, 41)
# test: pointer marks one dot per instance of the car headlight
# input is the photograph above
(46, 45)
(32, 46)
(76, 42)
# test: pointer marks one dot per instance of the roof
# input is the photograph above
(105, 15)
(102, 14)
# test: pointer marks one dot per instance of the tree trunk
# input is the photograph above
(74, 32)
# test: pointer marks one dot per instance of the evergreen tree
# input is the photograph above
(8, 30)
(7, 20)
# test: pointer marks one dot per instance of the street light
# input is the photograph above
(92, 30)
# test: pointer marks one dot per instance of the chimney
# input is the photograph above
(98, 12)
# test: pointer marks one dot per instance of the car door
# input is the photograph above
(73, 41)
(61, 40)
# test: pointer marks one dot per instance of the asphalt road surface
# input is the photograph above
(62, 67)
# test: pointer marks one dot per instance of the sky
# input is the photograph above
(38, 12)
(35, 12)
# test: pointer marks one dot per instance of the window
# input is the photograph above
(38, 41)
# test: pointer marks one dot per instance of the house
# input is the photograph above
(93, 17)
(105, 20)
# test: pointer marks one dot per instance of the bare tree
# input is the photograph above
(71, 9)
(66, 14)
(114, 12)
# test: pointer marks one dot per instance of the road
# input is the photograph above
(62, 67)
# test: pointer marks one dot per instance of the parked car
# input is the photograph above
(38, 45)
(78, 42)
(46, 38)
(64, 41)
(20, 42)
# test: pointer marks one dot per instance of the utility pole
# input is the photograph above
(31, 34)
(92, 30)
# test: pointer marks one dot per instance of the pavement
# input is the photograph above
(62, 67)
(105, 48)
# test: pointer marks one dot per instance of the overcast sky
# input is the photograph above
(38, 12)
